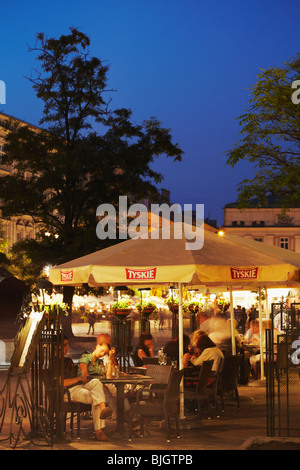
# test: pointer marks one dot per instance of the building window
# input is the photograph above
(242, 223)
(284, 243)
(258, 239)
(261, 223)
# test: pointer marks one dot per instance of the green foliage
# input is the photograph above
(271, 138)
(223, 304)
(122, 304)
(146, 304)
(172, 301)
(70, 168)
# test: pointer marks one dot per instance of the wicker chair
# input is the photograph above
(55, 407)
(163, 405)
(200, 391)
(161, 376)
(75, 409)
(229, 378)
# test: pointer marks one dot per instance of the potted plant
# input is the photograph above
(54, 308)
(146, 308)
(223, 304)
(173, 304)
(192, 306)
(122, 307)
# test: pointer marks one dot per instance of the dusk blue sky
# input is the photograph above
(189, 63)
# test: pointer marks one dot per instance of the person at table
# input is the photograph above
(252, 314)
(207, 351)
(145, 348)
(82, 391)
(171, 349)
(252, 335)
(92, 364)
(240, 315)
(102, 339)
(193, 350)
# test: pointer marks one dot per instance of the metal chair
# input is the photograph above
(200, 391)
(74, 408)
(54, 405)
(213, 387)
(229, 378)
(160, 374)
(165, 406)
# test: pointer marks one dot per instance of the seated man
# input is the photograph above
(256, 358)
(171, 349)
(82, 391)
(252, 335)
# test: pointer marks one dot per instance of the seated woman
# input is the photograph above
(207, 351)
(145, 348)
(84, 391)
(93, 363)
(101, 361)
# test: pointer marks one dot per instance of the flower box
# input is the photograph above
(122, 312)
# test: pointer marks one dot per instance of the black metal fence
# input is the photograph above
(121, 340)
(47, 374)
(282, 369)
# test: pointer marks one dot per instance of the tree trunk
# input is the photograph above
(68, 292)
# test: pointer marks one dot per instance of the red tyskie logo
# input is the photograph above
(66, 276)
(249, 273)
(140, 274)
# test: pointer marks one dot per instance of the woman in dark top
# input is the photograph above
(145, 348)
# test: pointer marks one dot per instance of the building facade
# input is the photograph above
(270, 225)
(13, 229)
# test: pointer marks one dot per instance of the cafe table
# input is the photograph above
(120, 382)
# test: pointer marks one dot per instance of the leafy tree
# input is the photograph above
(63, 172)
(271, 138)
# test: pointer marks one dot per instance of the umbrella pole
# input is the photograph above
(267, 304)
(180, 334)
(261, 339)
(232, 323)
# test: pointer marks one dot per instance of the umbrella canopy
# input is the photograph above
(223, 260)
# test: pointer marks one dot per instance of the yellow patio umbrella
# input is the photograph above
(222, 261)
(226, 260)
